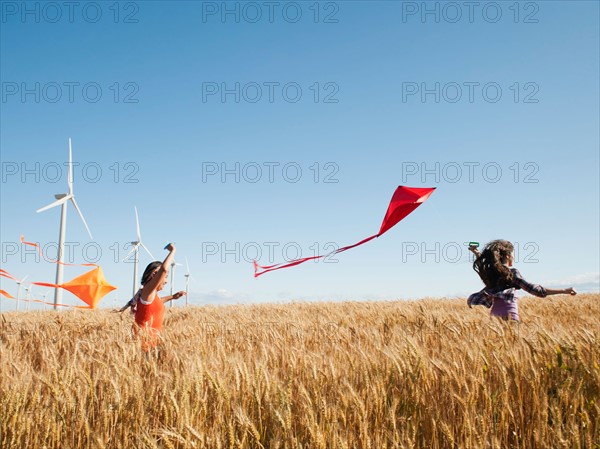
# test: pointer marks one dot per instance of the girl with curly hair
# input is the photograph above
(494, 266)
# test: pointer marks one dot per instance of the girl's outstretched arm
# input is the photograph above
(125, 307)
(173, 296)
(538, 290)
(563, 291)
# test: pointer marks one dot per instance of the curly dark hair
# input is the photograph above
(490, 265)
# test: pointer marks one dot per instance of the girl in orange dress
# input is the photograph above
(148, 307)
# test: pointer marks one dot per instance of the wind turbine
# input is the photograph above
(28, 296)
(135, 251)
(61, 200)
(173, 265)
(19, 291)
(188, 277)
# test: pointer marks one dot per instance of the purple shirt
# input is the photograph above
(506, 309)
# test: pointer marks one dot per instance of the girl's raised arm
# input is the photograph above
(159, 277)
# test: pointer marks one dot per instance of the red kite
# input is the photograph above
(90, 287)
(404, 201)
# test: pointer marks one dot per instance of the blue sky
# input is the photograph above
(324, 114)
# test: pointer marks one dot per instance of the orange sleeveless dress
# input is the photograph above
(148, 321)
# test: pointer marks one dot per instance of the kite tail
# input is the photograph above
(279, 266)
(46, 284)
(2, 292)
(345, 248)
(5, 293)
(292, 263)
(6, 274)
(39, 250)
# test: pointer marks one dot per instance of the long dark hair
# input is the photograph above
(490, 264)
(132, 303)
(149, 270)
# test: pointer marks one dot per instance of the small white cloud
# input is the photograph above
(583, 278)
(219, 296)
(224, 293)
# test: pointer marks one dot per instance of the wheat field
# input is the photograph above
(430, 373)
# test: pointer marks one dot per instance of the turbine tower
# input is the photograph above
(62, 200)
(135, 251)
(173, 265)
(28, 297)
(188, 277)
(19, 283)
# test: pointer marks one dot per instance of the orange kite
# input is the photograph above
(90, 287)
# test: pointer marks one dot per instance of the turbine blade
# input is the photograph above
(187, 266)
(54, 204)
(81, 215)
(70, 172)
(137, 224)
(147, 250)
(23, 280)
(133, 248)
